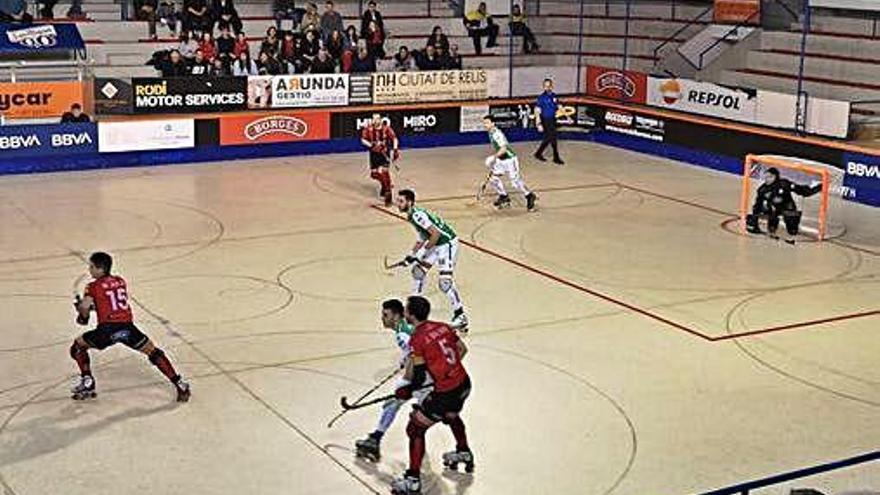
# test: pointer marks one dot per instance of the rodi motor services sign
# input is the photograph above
(703, 98)
(189, 94)
(442, 85)
(274, 128)
(310, 90)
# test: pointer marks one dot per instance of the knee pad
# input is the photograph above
(156, 356)
(374, 174)
(792, 222)
(414, 429)
(418, 272)
(75, 349)
(446, 282)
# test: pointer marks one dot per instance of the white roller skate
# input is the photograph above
(84, 389)
(368, 448)
(406, 485)
(459, 321)
(451, 460)
(502, 202)
(183, 391)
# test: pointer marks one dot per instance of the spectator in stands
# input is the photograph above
(286, 9)
(311, 44)
(200, 65)
(75, 11)
(518, 27)
(75, 115)
(453, 60)
(375, 41)
(351, 38)
(330, 20)
(428, 60)
(225, 45)
(47, 11)
(336, 45)
(145, 10)
(288, 48)
(371, 15)
(226, 15)
(188, 45)
(311, 19)
(439, 40)
(244, 66)
(300, 64)
(168, 15)
(404, 61)
(208, 47)
(220, 68)
(323, 64)
(173, 66)
(15, 11)
(197, 16)
(268, 65)
(479, 23)
(363, 62)
(271, 43)
(241, 45)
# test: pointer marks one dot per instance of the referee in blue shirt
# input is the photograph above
(545, 116)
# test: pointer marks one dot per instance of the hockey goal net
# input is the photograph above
(819, 219)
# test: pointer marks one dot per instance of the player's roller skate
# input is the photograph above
(407, 484)
(84, 389)
(459, 321)
(183, 391)
(530, 201)
(502, 202)
(368, 448)
(452, 459)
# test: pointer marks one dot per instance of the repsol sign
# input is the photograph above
(192, 94)
(708, 98)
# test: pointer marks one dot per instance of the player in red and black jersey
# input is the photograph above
(107, 294)
(384, 148)
(436, 351)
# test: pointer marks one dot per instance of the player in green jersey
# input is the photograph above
(505, 162)
(392, 319)
(437, 245)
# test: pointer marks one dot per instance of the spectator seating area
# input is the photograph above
(121, 48)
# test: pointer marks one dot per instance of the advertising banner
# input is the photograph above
(404, 122)
(310, 90)
(274, 128)
(633, 124)
(36, 140)
(862, 177)
(360, 89)
(513, 116)
(38, 100)
(737, 11)
(616, 84)
(189, 94)
(471, 119)
(146, 135)
(15, 38)
(444, 85)
(112, 96)
(704, 98)
(259, 92)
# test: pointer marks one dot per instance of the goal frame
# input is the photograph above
(782, 163)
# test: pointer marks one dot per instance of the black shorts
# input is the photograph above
(438, 404)
(378, 160)
(108, 334)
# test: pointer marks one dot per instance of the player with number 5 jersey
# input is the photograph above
(108, 296)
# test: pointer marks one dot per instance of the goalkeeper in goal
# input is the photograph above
(774, 199)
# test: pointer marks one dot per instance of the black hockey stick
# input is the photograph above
(397, 264)
(364, 396)
(360, 405)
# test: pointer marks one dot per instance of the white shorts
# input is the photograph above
(443, 256)
(508, 167)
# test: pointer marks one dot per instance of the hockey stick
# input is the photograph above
(362, 397)
(481, 191)
(397, 264)
(360, 405)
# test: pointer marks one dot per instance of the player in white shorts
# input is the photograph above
(437, 245)
(505, 162)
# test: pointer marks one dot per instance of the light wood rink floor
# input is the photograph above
(612, 330)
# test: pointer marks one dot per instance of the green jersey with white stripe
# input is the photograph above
(499, 140)
(423, 220)
(402, 333)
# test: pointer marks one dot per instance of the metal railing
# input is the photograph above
(745, 488)
(733, 31)
(681, 30)
(80, 69)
